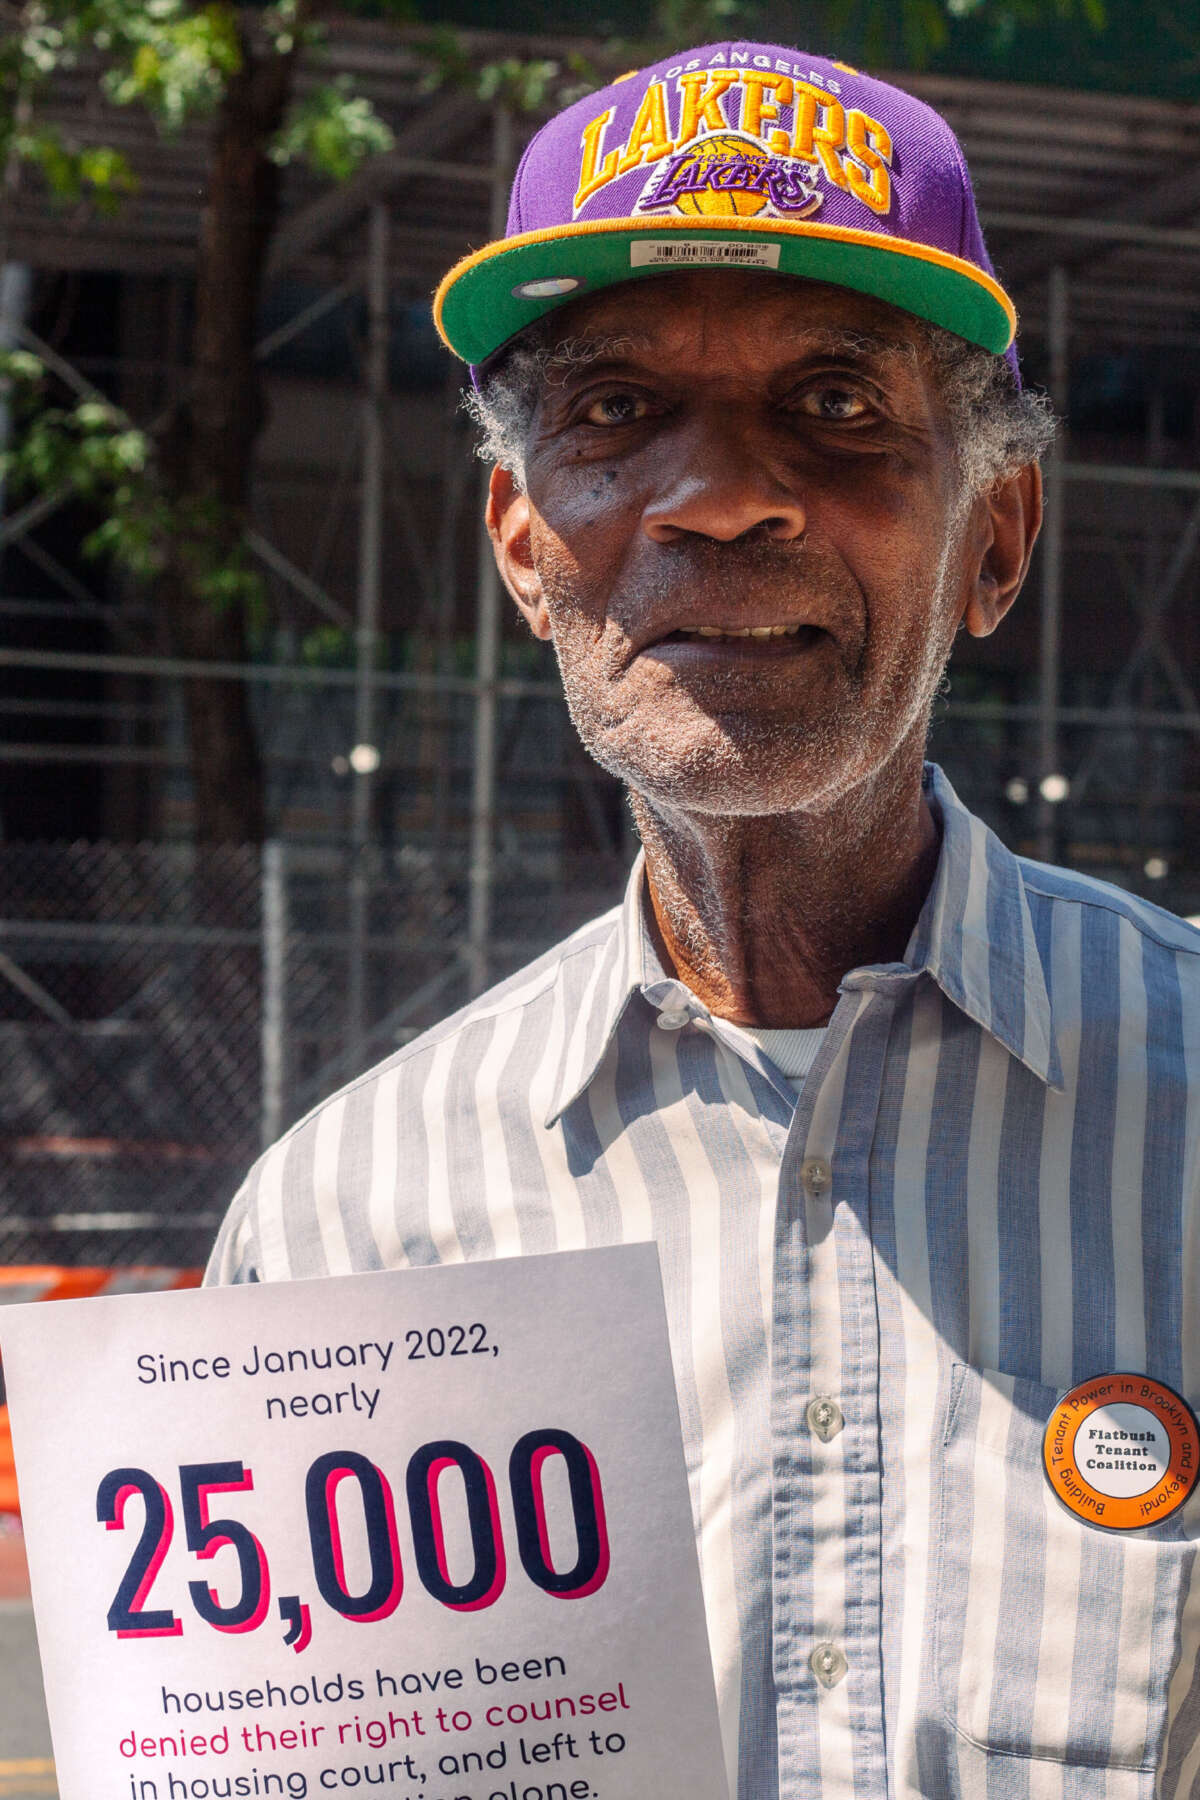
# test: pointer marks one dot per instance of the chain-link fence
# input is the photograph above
(164, 1011)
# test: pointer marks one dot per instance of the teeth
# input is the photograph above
(756, 631)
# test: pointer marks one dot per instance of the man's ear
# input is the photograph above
(508, 526)
(1011, 517)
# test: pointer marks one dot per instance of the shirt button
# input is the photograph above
(827, 1664)
(673, 1018)
(825, 1417)
(816, 1175)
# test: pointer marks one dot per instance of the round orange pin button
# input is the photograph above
(1121, 1451)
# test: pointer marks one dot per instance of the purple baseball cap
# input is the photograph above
(736, 156)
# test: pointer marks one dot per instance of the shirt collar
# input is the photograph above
(625, 965)
(974, 938)
(975, 935)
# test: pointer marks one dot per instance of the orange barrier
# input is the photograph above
(41, 1281)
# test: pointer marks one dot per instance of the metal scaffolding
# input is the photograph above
(1095, 227)
(433, 734)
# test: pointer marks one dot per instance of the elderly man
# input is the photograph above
(914, 1123)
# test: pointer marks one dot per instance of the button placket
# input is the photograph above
(831, 1350)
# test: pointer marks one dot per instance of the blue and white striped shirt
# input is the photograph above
(988, 1190)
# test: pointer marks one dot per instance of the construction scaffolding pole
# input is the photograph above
(16, 282)
(273, 1025)
(364, 756)
(487, 655)
(1051, 792)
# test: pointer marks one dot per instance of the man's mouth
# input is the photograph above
(745, 631)
(803, 635)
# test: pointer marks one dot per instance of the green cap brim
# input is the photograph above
(477, 311)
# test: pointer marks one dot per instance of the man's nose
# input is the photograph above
(718, 486)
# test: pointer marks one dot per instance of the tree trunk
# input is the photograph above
(209, 449)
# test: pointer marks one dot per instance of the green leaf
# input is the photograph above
(42, 47)
(447, 62)
(695, 21)
(289, 30)
(95, 415)
(522, 86)
(176, 62)
(328, 647)
(231, 583)
(107, 176)
(333, 130)
(21, 367)
(46, 150)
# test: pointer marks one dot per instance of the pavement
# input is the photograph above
(26, 1765)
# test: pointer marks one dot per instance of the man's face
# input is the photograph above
(744, 537)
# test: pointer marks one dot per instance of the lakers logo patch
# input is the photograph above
(729, 175)
(1121, 1452)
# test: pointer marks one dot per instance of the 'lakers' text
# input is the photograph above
(783, 116)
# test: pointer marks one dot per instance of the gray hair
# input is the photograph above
(997, 427)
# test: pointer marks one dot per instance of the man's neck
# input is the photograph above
(762, 917)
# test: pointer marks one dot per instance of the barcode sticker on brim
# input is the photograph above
(685, 252)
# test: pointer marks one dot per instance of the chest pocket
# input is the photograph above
(1053, 1640)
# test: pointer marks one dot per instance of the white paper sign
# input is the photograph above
(423, 1534)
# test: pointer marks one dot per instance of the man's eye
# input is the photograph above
(835, 403)
(616, 409)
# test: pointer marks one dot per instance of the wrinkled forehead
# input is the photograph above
(727, 318)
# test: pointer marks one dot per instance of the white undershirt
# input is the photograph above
(792, 1052)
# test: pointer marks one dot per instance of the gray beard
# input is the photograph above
(757, 562)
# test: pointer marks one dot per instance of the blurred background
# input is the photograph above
(282, 779)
